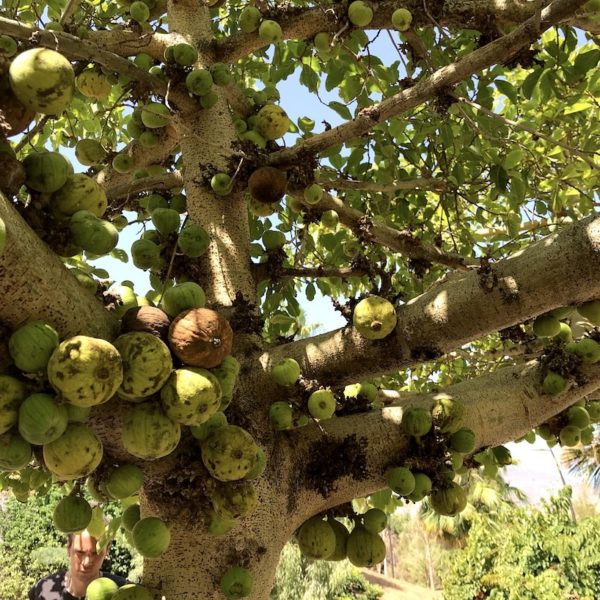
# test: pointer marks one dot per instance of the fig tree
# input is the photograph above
(448, 501)
(316, 538)
(570, 436)
(402, 19)
(193, 240)
(360, 13)
(185, 55)
(587, 349)
(272, 122)
(270, 31)
(364, 549)
(416, 421)
(546, 326)
(31, 345)
(72, 513)
(400, 480)
(46, 171)
(281, 415)
(166, 220)
(102, 588)
(249, 19)
(590, 311)
(554, 384)
(151, 537)
(321, 404)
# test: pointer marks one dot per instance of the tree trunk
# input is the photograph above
(195, 561)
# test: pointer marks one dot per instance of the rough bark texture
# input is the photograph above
(500, 407)
(34, 284)
(207, 142)
(500, 294)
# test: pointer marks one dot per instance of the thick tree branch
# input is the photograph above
(482, 15)
(132, 188)
(109, 179)
(226, 266)
(127, 42)
(559, 270)
(493, 53)
(433, 184)
(262, 271)
(500, 407)
(77, 49)
(34, 284)
(403, 242)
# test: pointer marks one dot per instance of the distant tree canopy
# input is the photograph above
(527, 553)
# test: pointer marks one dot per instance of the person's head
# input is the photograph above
(85, 562)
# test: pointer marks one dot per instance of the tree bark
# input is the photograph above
(34, 283)
(208, 145)
(560, 270)
(195, 561)
(499, 408)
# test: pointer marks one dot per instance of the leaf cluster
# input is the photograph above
(531, 553)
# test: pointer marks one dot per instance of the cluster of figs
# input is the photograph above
(170, 372)
(374, 318)
(327, 538)
(573, 426)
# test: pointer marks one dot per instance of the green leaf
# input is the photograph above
(530, 82)
(101, 273)
(499, 177)
(280, 318)
(512, 159)
(508, 89)
(309, 78)
(340, 109)
(335, 75)
(310, 292)
(518, 188)
(120, 255)
(109, 533)
(577, 107)
(586, 61)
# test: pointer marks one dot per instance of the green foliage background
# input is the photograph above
(30, 546)
(299, 578)
(527, 554)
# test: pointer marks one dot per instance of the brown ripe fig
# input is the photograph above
(200, 337)
(267, 184)
(148, 319)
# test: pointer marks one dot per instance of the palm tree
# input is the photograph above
(584, 462)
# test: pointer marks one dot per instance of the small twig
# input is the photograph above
(172, 260)
(69, 12)
(26, 139)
